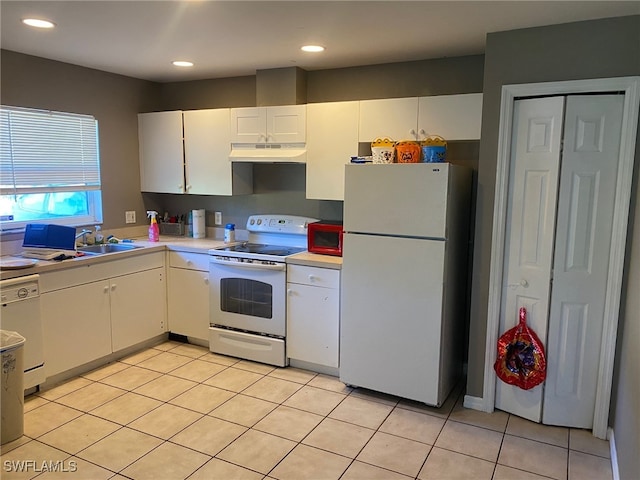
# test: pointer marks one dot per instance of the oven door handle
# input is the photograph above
(255, 266)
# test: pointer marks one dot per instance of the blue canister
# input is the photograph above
(229, 233)
(434, 149)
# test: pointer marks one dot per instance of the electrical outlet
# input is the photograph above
(218, 218)
(130, 216)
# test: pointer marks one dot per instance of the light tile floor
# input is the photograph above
(177, 411)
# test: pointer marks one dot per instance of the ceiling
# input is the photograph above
(235, 38)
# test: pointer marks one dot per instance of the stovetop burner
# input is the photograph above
(262, 249)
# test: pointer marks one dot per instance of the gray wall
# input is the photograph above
(215, 93)
(393, 80)
(445, 76)
(114, 100)
(594, 49)
(624, 416)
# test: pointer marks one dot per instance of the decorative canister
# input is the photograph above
(382, 150)
(408, 152)
(434, 149)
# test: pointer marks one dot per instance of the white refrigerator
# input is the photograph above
(404, 278)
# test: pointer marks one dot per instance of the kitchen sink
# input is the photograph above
(106, 248)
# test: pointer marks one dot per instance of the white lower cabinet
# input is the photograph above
(93, 310)
(76, 326)
(138, 307)
(313, 315)
(188, 297)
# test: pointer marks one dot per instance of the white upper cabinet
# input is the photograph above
(331, 141)
(208, 170)
(287, 124)
(395, 118)
(453, 117)
(161, 155)
(281, 124)
(194, 160)
(248, 125)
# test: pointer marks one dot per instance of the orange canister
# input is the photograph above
(408, 152)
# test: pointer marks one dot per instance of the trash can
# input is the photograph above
(12, 386)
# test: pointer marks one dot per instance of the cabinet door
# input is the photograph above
(332, 140)
(286, 124)
(138, 307)
(76, 326)
(396, 118)
(281, 124)
(454, 117)
(207, 142)
(313, 324)
(313, 314)
(161, 153)
(248, 125)
(188, 302)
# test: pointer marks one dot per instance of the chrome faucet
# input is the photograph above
(83, 234)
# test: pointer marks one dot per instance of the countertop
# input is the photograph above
(181, 244)
(315, 260)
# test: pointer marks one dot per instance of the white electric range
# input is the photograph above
(248, 289)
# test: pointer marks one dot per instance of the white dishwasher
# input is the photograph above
(20, 299)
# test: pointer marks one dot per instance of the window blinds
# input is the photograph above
(45, 151)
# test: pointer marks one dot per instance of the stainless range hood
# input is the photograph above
(268, 153)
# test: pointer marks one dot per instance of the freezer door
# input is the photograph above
(397, 199)
(391, 315)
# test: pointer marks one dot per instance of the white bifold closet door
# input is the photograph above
(560, 211)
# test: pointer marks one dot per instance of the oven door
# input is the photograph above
(248, 296)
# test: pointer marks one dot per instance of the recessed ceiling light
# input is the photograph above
(182, 63)
(38, 23)
(312, 48)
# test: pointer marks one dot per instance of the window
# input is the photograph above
(49, 168)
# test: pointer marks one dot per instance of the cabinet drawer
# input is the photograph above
(317, 277)
(192, 261)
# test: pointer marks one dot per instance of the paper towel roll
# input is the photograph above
(199, 227)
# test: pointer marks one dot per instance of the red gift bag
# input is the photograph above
(521, 361)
